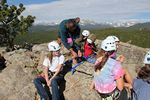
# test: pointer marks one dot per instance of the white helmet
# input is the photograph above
(116, 39)
(147, 58)
(86, 33)
(53, 46)
(108, 45)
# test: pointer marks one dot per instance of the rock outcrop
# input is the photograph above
(17, 78)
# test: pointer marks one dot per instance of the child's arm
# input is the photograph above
(58, 70)
(127, 85)
(120, 83)
(127, 75)
(46, 74)
(120, 58)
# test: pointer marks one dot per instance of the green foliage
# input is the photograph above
(37, 71)
(135, 36)
(36, 37)
(13, 23)
(2, 2)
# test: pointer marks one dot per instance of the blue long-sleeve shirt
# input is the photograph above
(64, 33)
(141, 90)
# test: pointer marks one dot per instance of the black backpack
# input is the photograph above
(2, 63)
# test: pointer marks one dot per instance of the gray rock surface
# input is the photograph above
(16, 79)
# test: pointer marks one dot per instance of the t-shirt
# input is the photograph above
(55, 62)
(105, 79)
(88, 49)
(141, 90)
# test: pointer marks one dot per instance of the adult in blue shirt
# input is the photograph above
(69, 31)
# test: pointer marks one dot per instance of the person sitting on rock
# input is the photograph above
(127, 77)
(108, 73)
(141, 85)
(69, 31)
(53, 65)
(117, 41)
(90, 49)
(82, 39)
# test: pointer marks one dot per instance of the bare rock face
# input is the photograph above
(134, 56)
(78, 84)
(2, 50)
(40, 47)
(16, 79)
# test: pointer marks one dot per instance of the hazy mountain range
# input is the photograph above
(87, 24)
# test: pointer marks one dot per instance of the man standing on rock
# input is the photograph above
(69, 31)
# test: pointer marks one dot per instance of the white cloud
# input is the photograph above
(97, 10)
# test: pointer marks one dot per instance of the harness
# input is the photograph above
(114, 95)
(50, 74)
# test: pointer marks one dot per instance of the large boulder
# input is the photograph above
(2, 50)
(78, 84)
(40, 47)
(16, 79)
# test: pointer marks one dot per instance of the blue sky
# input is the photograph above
(142, 16)
(47, 11)
(28, 2)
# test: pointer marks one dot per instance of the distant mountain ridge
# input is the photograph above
(91, 25)
(47, 28)
(141, 25)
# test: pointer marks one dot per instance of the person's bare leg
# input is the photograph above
(127, 76)
(128, 82)
(74, 56)
(59, 40)
(79, 53)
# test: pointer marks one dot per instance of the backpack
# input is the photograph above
(2, 63)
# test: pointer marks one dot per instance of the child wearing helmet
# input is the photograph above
(82, 39)
(84, 36)
(53, 64)
(108, 73)
(127, 77)
(116, 39)
(90, 49)
(141, 85)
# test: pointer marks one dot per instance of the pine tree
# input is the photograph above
(12, 23)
